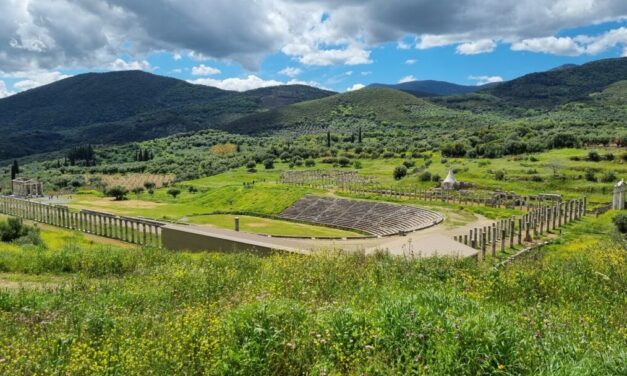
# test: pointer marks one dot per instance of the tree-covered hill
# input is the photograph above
(125, 106)
(546, 90)
(367, 108)
(428, 88)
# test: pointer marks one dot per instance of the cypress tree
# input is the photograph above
(15, 169)
(328, 139)
(359, 136)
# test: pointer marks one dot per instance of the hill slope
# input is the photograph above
(367, 108)
(547, 89)
(125, 106)
(430, 88)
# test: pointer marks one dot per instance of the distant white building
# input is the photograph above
(618, 203)
(27, 188)
(450, 182)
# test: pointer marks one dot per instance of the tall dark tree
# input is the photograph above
(359, 136)
(328, 139)
(15, 169)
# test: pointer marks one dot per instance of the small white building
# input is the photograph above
(450, 182)
(618, 202)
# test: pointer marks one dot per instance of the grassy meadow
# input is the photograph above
(101, 310)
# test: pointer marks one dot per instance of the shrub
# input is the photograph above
(499, 175)
(590, 176)
(620, 221)
(425, 176)
(138, 190)
(400, 172)
(357, 165)
(14, 230)
(192, 189)
(409, 163)
(594, 156)
(118, 192)
(174, 192)
(251, 164)
(537, 178)
(310, 163)
(268, 164)
(436, 178)
(149, 185)
(608, 177)
(343, 161)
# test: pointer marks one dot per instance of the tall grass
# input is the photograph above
(152, 312)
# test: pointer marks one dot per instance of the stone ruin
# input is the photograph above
(22, 187)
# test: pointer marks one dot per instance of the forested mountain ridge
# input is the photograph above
(428, 88)
(126, 106)
(545, 90)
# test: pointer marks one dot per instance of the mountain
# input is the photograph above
(563, 66)
(429, 88)
(369, 108)
(545, 90)
(126, 106)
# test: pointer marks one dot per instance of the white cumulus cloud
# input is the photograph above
(4, 91)
(551, 45)
(249, 82)
(356, 87)
(411, 61)
(120, 65)
(476, 47)
(291, 71)
(203, 70)
(409, 78)
(482, 80)
(33, 79)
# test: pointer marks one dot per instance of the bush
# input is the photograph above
(499, 175)
(620, 221)
(310, 163)
(357, 165)
(149, 185)
(425, 176)
(409, 164)
(590, 176)
(436, 178)
(192, 189)
(400, 172)
(251, 164)
(594, 156)
(174, 192)
(14, 230)
(608, 177)
(268, 164)
(138, 190)
(344, 162)
(118, 192)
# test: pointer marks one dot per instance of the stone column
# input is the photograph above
(493, 239)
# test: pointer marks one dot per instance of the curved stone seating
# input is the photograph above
(375, 218)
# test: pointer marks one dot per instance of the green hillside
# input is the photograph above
(368, 108)
(547, 89)
(125, 106)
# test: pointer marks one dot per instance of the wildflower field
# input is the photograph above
(81, 309)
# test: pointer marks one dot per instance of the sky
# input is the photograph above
(338, 45)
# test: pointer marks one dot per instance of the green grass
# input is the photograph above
(268, 226)
(156, 312)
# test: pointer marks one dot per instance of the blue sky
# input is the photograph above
(240, 45)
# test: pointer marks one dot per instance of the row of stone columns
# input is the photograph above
(132, 230)
(524, 229)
